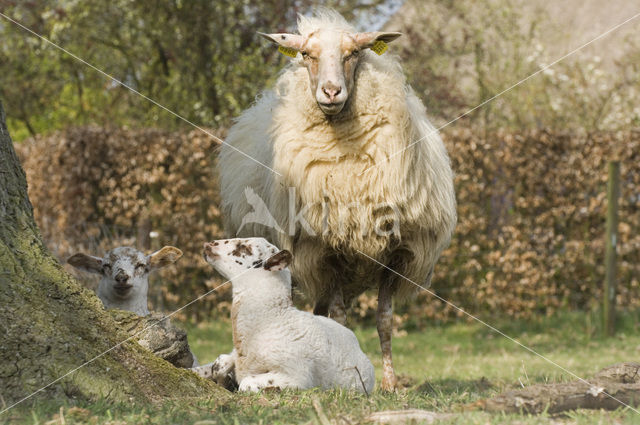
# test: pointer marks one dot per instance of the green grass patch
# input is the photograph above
(442, 369)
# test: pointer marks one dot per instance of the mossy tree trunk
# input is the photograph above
(50, 325)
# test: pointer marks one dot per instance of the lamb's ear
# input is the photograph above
(291, 41)
(278, 261)
(164, 257)
(87, 263)
(368, 39)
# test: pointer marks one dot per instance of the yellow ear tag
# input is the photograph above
(288, 51)
(379, 47)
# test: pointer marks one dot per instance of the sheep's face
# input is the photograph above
(331, 58)
(125, 270)
(232, 257)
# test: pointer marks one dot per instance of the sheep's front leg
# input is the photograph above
(384, 318)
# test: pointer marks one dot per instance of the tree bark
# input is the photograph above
(621, 381)
(50, 324)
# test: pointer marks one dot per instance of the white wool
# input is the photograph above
(329, 158)
(322, 18)
(275, 344)
(298, 349)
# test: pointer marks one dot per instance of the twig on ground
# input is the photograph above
(360, 377)
(318, 408)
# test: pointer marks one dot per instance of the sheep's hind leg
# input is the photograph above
(255, 383)
(332, 305)
(337, 310)
(321, 308)
(384, 318)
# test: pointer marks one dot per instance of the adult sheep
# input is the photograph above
(330, 187)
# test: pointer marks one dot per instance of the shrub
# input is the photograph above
(531, 230)
(531, 206)
(95, 188)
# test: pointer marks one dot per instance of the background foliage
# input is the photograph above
(531, 206)
(106, 167)
(531, 232)
(96, 188)
(199, 58)
(460, 53)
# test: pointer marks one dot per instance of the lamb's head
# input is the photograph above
(331, 57)
(232, 257)
(125, 270)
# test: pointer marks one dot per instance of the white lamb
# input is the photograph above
(125, 275)
(124, 286)
(339, 129)
(275, 344)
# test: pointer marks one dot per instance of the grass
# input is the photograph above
(442, 369)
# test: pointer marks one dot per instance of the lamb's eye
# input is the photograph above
(106, 268)
(140, 266)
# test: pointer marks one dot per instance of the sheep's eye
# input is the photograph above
(106, 268)
(140, 266)
(352, 55)
(306, 55)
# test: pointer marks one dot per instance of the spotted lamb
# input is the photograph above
(275, 344)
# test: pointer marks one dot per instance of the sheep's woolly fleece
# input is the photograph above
(324, 158)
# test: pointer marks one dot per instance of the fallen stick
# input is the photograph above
(621, 381)
(407, 416)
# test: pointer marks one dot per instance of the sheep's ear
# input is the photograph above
(368, 39)
(86, 263)
(278, 261)
(164, 257)
(291, 41)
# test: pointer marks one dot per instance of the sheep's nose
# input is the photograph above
(122, 277)
(331, 91)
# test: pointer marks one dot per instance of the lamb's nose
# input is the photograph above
(209, 248)
(122, 277)
(331, 91)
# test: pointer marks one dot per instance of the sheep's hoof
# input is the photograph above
(389, 383)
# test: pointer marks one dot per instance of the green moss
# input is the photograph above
(51, 325)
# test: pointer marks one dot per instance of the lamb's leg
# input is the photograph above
(222, 371)
(384, 318)
(255, 383)
(194, 360)
(204, 371)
